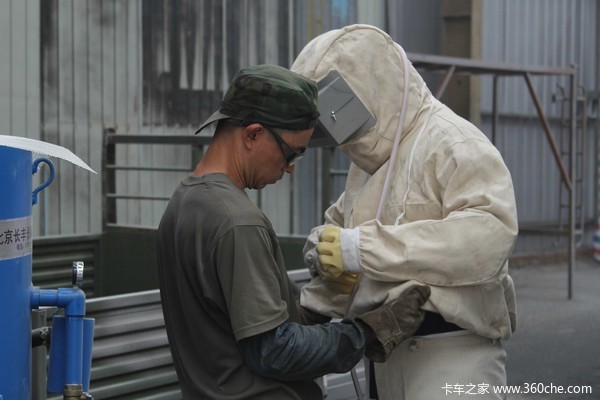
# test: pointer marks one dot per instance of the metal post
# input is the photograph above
(573, 128)
(495, 109)
(109, 212)
(442, 87)
(548, 131)
(39, 354)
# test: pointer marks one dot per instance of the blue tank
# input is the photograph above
(15, 272)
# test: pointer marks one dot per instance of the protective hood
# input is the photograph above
(372, 65)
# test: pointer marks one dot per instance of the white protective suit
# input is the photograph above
(449, 218)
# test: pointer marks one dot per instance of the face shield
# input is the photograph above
(343, 116)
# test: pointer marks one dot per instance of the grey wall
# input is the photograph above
(73, 69)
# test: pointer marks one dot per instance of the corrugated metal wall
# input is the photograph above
(76, 68)
(547, 33)
(20, 73)
(138, 67)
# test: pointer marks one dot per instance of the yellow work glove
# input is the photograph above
(330, 253)
(330, 263)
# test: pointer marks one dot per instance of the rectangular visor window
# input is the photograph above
(343, 115)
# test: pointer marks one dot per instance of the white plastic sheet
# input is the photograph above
(43, 149)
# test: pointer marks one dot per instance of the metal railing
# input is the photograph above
(110, 167)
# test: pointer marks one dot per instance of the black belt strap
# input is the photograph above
(435, 323)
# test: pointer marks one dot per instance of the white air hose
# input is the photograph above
(398, 136)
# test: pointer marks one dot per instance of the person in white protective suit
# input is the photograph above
(428, 200)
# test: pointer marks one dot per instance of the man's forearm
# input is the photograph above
(296, 352)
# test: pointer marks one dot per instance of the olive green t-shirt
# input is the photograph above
(222, 279)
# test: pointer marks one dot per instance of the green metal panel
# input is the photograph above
(291, 247)
(128, 261)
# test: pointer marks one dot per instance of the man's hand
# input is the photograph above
(337, 258)
(394, 322)
(344, 284)
(330, 253)
(309, 251)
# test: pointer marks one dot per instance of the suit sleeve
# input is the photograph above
(472, 238)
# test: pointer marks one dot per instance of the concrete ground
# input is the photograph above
(557, 342)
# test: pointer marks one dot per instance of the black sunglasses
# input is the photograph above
(290, 156)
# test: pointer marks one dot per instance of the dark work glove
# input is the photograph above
(394, 322)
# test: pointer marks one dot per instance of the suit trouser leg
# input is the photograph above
(445, 366)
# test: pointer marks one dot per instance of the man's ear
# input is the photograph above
(251, 134)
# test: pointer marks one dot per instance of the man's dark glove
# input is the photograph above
(394, 322)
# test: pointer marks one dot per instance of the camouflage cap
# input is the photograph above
(270, 95)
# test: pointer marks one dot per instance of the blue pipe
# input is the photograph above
(73, 302)
(71, 299)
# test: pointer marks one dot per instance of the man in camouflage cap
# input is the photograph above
(234, 326)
